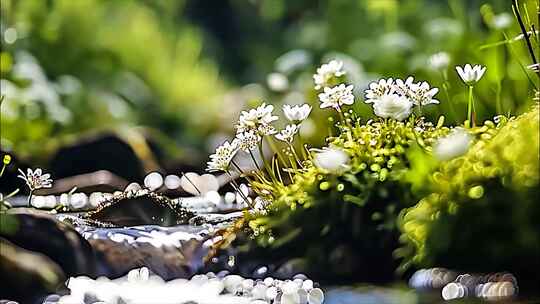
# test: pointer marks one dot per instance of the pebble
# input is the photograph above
(454, 291)
(172, 182)
(259, 291)
(139, 285)
(153, 181)
(78, 201)
(315, 296)
(271, 293)
(232, 282)
(307, 285)
(268, 281)
(133, 187)
(95, 199)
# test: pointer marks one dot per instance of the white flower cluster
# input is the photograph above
(221, 159)
(395, 98)
(258, 120)
(332, 96)
(326, 72)
(337, 96)
(252, 126)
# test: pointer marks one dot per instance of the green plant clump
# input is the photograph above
(345, 220)
(482, 213)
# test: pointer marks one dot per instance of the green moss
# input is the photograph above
(328, 217)
(482, 213)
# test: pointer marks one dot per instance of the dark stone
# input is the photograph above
(27, 276)
(140, 208)
(103, 152)
(42, 233)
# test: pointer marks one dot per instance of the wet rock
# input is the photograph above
(141, 207)
(175, 252)
(28, 276)
(42, 233)
(103, 152)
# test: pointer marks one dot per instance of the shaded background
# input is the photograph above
(138, 86)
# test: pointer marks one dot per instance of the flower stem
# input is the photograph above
(274, 148)
(30, 197)
(470, 108)
(295, 155)
(301, 142)
(342, 117)
(445, 86)
(255, 160)
(266, 165)
(238, 190)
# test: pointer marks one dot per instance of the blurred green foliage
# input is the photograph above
(74, 66)
(103, 64)
(482, 209)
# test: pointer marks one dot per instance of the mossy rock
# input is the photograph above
(483, 211)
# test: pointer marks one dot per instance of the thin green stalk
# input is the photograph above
(447, 94)
(301, 142)
(295, 155)
(342, 117)
(276, 150)
(498, 104)
(266, 165)
(470, 108)
(242, 173)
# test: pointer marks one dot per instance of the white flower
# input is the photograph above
(288, 133)
(393, 106)
(277, 82)
(221, 159)
(266, 129)
(331, 159)
(326, 72)
(403, 88)
(454, 145)
(336, 96)
(378, 89)
(502, 21)
(296, 113)
(421, 94)
(471, 75)
(256, 119)
(439, 61)
(35, 179)
(248, 140)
